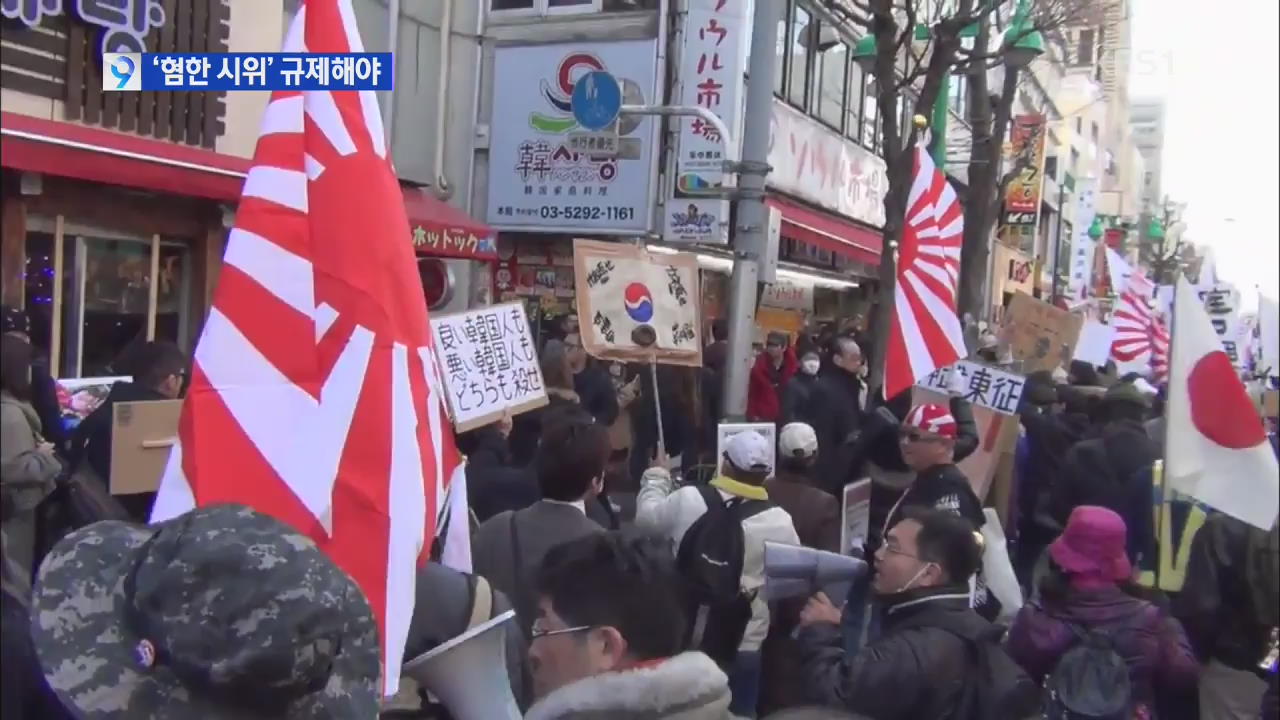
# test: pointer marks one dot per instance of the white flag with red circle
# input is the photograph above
(925, 333)
(1217, 449)
(315, 395)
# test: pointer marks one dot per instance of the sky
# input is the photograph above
(1216, 66)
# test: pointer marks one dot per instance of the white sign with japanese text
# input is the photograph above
(816, 163)
(1080, 269)
(1222, 302)
(984, 385)
(489, 363)
(713, 62)
(637, 306)
(537, 180)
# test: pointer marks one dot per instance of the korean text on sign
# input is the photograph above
(985, 386)
(489, 363)
(265, 71)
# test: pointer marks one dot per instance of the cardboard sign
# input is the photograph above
(489, 362)
(997, 434)
(724, 431)
(625, 294)
(985, 386)
(855, 515)
(1041, 336)
(142, 434)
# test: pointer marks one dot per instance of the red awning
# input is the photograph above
(34, 144)
(831, 232)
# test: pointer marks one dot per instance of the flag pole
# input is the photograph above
(1161, 467)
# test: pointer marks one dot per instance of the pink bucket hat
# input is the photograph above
(1092, 547)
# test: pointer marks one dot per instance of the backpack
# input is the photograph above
(997, 687)
(1090, 681)
(709, 561)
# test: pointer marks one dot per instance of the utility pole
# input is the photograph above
(750, 236)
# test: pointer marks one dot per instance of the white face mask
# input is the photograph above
(810, 366)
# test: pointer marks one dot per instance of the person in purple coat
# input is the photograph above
(1083, 591)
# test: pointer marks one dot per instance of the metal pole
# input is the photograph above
(749, 239)
(1057, 243)
(393, 42)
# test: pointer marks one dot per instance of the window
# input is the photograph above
(781, 56)
(833, 67)
(1084, 49)
(1075, 160)
(544, 7)
(853, 103)
(870, 120)
(801, 59)
(1080, 125)
(1093, 131)
(960, 95)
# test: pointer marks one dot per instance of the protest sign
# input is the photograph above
(78, 397)
(1094, 345)
(985, 386)
(142, 435)
(855, 515)
(724, 431)
(637, 306)
(1041, 336)
(997, 433)
(489, 364)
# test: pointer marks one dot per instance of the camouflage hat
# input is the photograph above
(219, 613)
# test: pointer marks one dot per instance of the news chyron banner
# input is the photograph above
(149, 72)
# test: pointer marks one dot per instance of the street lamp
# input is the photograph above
(1027, 42)
(1095, 230)
(1155, 230)
(864, 53)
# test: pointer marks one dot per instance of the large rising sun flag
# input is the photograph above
(315, 395)
(925, 333)
(1133, 318)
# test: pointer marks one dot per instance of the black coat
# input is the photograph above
(916, 670)
(836, 416)
(877, 442)
(798, 400)
(494, 484)
(91, 443)
(1110, 471)
(595, 390)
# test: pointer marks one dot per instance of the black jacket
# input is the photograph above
(1231, 599)
(596, 392)
(915, 671)
(797, 397)
(877, 442)
(836, 416)
(494, 484)
(1109, 471)
(90, 443)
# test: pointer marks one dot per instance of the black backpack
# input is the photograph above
(710, 563)
(997, 688)
(1090, 681)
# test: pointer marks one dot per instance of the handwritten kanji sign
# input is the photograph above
(626, 295)
(489, 363)
(985, 386)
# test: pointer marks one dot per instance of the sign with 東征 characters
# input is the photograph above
(489, 363)
(984, 385)
(636, 306)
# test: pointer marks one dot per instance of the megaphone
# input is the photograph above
(795, 570)
(469, 673)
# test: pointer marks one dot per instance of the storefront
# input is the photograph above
(1013, 271)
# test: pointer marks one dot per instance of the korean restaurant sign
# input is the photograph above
(823, 167)
(124, 23)
(713, 62)
(537, 180)
(489, 363)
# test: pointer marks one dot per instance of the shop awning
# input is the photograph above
(33, 144)
(831, 232)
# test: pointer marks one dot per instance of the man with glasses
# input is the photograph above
(919, 666)
(607, 638)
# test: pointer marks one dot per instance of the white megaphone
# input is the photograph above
(795, 570)
(469, 673)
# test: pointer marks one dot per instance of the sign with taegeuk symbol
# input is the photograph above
(489, 363)
(637, 306)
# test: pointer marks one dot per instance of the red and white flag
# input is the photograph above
(1217, 449)
(1159, 350)
(925, 334)
(1132, 317)
(315, 395)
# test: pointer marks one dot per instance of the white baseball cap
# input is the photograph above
(798, 440)
(750, 451)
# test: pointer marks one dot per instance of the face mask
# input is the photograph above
(810, 367)
(913, 579)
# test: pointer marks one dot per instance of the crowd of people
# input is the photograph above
(634, 560)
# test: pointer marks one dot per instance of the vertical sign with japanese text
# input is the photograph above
(712, 65)
(1080, 267)
(1222, 303)
(489, 363)
(1022, 197)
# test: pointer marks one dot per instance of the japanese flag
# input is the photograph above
(1217, 449)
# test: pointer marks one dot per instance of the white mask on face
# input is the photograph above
(913, 579)
(810, 366)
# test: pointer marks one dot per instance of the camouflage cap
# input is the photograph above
(222, 612)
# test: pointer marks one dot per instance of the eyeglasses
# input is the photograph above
(895, 550)
(536, 633)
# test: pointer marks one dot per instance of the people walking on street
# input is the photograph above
(772, 370)
(836, 405)
(607, 638)
(1082, 605)
(674, 513)
(570, 467)
(920, 666)
(800, 392)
